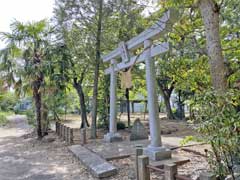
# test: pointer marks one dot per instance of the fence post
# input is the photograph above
(61, 130)
(71, 136)
(83, 136)
(139, 152)
(207, 176)
(56, 126)
(68, 128)
(170, 171)
(143, 170)
(65, 133)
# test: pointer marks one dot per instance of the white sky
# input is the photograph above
(24, 11)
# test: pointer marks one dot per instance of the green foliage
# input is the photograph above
(188, 139)
(7, 101)
(120, 125)
(219, 124)
(30, 117)
(3, 118)
(103, 124)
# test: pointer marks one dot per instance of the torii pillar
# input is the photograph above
(155, 150)
(113, 136)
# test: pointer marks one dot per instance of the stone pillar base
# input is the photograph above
(112, 137)
(157, 153)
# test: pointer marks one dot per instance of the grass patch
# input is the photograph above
(3, 118)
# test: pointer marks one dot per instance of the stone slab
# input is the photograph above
(127, 148)
(175, 159)
(110, 137)
(157, 153)
(138, 131)
(98, 166)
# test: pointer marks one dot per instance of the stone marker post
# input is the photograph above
(143, 170)
(139, 152)
(170, 171)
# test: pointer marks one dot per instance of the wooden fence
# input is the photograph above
(169, 171)
(71, 135)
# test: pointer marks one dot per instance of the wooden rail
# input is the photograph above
(180, 177)
(169, 171)
(70, 135)
(155, 168)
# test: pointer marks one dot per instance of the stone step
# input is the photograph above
(98, 166)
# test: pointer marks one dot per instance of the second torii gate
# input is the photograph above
(155, 150)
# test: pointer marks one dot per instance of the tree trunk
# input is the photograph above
(166, 94)
(96, 73)
(80, 93)
(168, 106)
(210, 15)
(38, 103)
(45, 121)
(128, 107)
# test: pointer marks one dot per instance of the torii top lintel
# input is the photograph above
(152, 33)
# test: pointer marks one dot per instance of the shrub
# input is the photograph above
(7, 101)
(3, 118)
(219, 124)
(102, 124)
(120, 125)
(30, 117)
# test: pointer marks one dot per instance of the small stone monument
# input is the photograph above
(138, 131)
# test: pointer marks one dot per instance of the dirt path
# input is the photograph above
(25, 158)
(22, 157)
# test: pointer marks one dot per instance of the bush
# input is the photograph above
(3, 118)
(7, 101)
(30, 117)
(102, 124)
(219, 124)
(120, 125)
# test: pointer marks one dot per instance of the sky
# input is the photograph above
(24, 11)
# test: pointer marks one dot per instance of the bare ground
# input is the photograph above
(22, 157)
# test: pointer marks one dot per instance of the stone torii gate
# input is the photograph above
(145, 39)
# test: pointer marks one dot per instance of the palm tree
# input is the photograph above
(23, 60)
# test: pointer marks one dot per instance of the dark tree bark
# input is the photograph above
(37, 96)
(166, 94)
(96, 72)
(38, 101)
(45, 121)
(78, 86)
(128, 107)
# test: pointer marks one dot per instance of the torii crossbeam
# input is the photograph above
(145, 39)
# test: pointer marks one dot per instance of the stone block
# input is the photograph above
(98, 166)
(138, 131)
(112, 137)
(157, 153)
(207, 176)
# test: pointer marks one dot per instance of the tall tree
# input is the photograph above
(27, 47)
(96, 70)
(210, 12)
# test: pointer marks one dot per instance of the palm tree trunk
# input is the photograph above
(38, 103)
